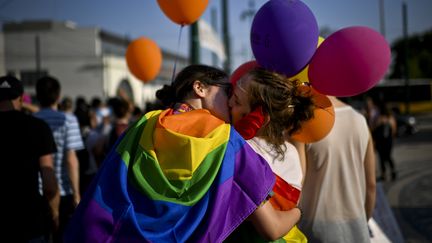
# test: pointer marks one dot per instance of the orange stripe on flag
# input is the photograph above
(184, 122)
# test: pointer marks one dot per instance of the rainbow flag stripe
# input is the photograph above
(173, 178)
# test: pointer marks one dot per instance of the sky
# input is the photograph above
(136, 18)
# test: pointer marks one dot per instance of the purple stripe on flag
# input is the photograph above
(237, 197)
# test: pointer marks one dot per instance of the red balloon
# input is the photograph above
(242, 70)
(144, 59)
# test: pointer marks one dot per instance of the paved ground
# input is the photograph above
(410, 196)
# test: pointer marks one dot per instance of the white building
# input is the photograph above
(88, 62)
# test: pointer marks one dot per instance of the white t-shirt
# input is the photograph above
(288, 167)
(334, 190)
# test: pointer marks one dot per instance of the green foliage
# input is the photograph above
(419, 56)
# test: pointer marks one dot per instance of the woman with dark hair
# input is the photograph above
(383, 134)
(181, 174)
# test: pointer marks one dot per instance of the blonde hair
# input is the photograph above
(283, 101)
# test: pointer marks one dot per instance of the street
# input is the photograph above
(410, 195)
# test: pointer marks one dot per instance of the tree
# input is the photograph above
(419, 56)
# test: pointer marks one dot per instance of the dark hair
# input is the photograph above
(12, 89)
(385, 110)
(119, 106)
(47, 91)
(95, 102)
(182, 85)
(136, 111)
(285, 102)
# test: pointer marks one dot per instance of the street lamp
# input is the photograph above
(226, 37)
(406, 47)
(382, 17)
(249, 14)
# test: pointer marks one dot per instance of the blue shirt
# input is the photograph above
(67, 137)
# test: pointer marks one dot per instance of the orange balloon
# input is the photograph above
(321, 124)
(183, 12)
(144, 59)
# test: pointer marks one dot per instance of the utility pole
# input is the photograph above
(382, 17)
(406, 49)
(249, 15)
(226, 37)
(214, 25)
(37, 56)
(195, 46)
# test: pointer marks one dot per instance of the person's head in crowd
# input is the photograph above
(66, 104)
(201, 87)
(81, 104)
(96, 103)
(119, 107)
(11, 92)
(48, 91)
(82, 112)
(282, 103)
(136, 113)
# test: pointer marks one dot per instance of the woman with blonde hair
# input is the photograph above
(266, 109)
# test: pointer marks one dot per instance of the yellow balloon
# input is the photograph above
(302, 76)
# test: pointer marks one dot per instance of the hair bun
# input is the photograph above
(166, 95)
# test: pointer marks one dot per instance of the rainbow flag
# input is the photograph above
(173, 178)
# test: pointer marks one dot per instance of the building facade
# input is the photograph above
(89, 62)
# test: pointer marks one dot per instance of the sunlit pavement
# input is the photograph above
(410, 195)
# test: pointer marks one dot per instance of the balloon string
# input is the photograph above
(176, 56)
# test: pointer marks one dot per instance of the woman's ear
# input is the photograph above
(199, 88)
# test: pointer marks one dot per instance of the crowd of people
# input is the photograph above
(214, 162)
(57, 149)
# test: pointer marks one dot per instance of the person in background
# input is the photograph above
(263, 104)
(339, 189)
(121, 119)
(66, 105)
(383, 134)
(371, 112)
(68, 139)
(26, 148)
(82, 113)
(136, 114)
(181, 175)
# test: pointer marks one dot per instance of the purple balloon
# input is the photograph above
(284, 36)
(349, 62)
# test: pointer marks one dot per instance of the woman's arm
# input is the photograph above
(369, 167)
(273, 224)
(50, 186)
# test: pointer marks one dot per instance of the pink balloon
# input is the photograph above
(349, 62)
